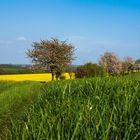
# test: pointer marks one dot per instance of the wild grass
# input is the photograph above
(15, 97)
(100, 108)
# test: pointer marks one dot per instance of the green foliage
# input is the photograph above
(89, 70)
(13, 69)
(99, 108)
(15, 97)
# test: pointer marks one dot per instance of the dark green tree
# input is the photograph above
(89, 70)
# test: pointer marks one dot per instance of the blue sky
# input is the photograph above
(92, 26)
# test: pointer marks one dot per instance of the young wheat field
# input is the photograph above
(94, 109)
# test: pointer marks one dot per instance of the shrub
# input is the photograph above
(80, 72)
(89, 70)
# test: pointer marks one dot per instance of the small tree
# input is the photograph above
(51, 55)
(128, 64)
(111, 63)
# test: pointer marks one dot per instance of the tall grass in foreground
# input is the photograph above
(15, 97)
(101, 108)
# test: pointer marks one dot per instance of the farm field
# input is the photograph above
(70, 70)
(15, 97)
(99, 108)
(30, 77)
(14, 69)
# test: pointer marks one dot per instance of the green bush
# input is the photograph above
(89, 70)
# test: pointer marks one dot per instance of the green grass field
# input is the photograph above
(15, 98)
(13, 69)
(93, 109)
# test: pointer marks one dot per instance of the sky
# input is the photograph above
(92, 26)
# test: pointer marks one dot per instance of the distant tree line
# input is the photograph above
(113, 65)
(14, 69)
(56, 57)
(109, 64)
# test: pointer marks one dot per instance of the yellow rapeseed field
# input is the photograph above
(30, 77)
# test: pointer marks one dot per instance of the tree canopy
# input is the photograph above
(111, 63)
(51, 55)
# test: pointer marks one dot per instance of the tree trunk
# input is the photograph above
(70, 75)
(53, 76)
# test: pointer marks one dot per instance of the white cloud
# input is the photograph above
(21, 38)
